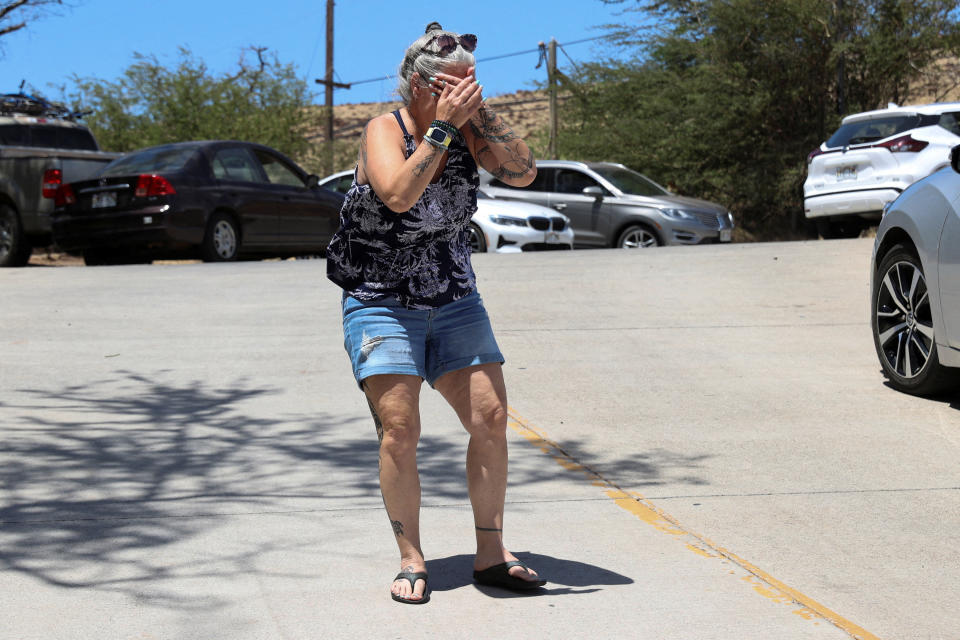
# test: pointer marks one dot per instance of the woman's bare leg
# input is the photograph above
(479, 397)
(395, 405)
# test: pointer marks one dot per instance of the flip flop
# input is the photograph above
(499, 576)
(412, 578)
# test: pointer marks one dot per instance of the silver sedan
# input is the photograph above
(915, 285)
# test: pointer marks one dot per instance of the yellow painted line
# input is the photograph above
(760, 581)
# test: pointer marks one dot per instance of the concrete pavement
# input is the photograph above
(701, 447)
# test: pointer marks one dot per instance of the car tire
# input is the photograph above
(903, 331)
(221, 242)
(15, 249)
(638, 236)
(478, 241)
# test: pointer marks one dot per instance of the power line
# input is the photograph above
(506, 55)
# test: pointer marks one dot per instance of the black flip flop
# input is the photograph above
(499, 576)
(412, 578)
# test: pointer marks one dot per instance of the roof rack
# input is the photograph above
(24, 104)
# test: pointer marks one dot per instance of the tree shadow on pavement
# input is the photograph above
(564, 577)
(105, 481)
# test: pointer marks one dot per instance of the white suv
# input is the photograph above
(871, 158)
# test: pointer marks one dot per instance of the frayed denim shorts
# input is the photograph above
(382, 336)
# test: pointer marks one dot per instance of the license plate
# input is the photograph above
(553, 237)
(847, 173)
(104, 199)
(725, 235)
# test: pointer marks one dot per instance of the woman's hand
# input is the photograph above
(458, 98)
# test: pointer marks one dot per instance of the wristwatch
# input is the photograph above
(438, 137)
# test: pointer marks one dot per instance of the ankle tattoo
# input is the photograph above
(487, 529)
(397, 527)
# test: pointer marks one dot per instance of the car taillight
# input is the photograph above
(904, 144)
(64, 196)
(153, 185)
(813, 154)
(52, 179)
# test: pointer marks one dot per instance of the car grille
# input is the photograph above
(543, 224)
(709, 220)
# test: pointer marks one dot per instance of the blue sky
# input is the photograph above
(97, 38)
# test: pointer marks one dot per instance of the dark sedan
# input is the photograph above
(218, 200)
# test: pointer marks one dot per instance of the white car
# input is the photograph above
(871, 159)
(500, 226)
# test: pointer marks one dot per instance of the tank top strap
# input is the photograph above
(396, 114)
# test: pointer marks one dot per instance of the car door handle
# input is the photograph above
(560, 206)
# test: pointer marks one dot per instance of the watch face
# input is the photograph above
(438, 134)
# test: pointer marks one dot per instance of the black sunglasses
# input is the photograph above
(447, 43)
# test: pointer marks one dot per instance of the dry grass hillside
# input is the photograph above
(525, 111)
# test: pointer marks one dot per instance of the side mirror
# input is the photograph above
(596, 192)
(312, 181)
(955, 158)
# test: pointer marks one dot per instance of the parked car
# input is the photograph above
(41, 146)
(610, 205)
(500, 226)
(915, 285)
(217, 199)
(871, 159)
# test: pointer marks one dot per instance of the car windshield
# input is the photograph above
(865, 131)
(150, 161)
(631, 182)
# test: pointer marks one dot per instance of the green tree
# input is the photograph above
(263, 101)
(725, 98)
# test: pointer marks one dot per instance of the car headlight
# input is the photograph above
(507, 221)
(677, 214)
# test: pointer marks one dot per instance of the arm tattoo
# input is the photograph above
(515, 159)
(397, 527)
(363, 147)
(426, 162)
(491, 127)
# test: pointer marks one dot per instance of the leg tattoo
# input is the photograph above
(376, 420)
(397, 527)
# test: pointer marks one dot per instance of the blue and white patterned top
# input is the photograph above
(420, 256)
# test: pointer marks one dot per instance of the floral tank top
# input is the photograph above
(420, 256)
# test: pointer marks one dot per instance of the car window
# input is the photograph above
(950, 122)
(543, 182)
(866, 131)
(631, 182)
(14, 134)
(344, 183)
(235, 164)
(570, 181)
(156, 160)
(277, 170)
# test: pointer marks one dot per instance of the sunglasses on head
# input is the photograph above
(447, 43)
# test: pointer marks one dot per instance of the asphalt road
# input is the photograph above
(702, 447)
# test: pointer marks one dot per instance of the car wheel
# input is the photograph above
(638, 236)
(222, 240)
(478, 242)
(903, 332)
(15, 249)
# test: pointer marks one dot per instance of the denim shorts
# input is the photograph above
(382, 336)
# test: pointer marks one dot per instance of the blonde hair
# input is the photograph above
(427, 61)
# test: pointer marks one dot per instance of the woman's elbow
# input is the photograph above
(517, 179)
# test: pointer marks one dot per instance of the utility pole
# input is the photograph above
(328, 82)
(552, 80)
(329, 87)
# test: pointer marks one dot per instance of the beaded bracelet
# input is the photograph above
(448, 127)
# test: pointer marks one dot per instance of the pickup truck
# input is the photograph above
(41, 147)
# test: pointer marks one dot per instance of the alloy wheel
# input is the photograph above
(6, 237)
(638, 239)
(904, 321)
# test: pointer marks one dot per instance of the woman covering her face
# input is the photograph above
(411, 310)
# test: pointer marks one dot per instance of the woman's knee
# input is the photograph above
(490, 419)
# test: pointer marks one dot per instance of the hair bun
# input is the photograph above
(433, 26)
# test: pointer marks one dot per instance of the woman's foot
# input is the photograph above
(410, 585)
(511, 568)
